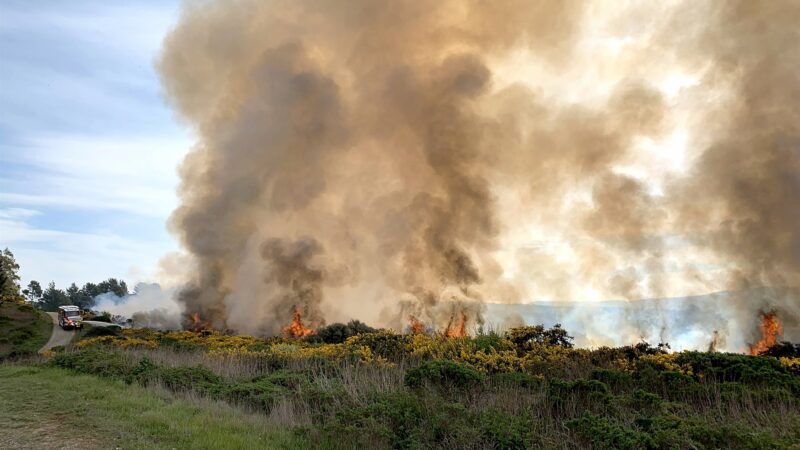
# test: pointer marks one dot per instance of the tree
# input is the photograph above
(82, 297)
(90, 290)
(9, 276)
(524, 338)
(52, 298)
(336, 333)
(33, 292)
(74, 295)
(85, 298)
(118, 287)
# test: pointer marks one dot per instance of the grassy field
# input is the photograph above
(525, 389)
(23, 329)
(48, 408)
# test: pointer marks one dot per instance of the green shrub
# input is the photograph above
(578, 386)
(504, 431)
(589, 395)
(607, 355)
(260, 393)
(615, 379)
(102, 317)
(179, 345)
(285, 378)
(517, 379)
(523, 338)
(643, 401)
(198, 378)
(676, 381)
(102, 331)
(444, 374)
(337, 333)
(142, 372)
(670, 431)
(96, 362)
(491, 342)
(734, 367)
(405, 420)
(386, 344)
(602, 433)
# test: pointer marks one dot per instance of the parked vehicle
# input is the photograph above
(69, 317)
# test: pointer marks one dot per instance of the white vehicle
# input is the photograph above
(69, 317)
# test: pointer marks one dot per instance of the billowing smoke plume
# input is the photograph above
(419, 158)
(293, 282)
(149, 306)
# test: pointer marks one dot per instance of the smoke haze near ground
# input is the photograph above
(378, 160)
(149, 306)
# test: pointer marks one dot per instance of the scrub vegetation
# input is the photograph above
(526, 388)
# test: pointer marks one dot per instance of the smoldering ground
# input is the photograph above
(442, 153)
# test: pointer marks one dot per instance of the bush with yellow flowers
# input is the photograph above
(495, 362)
(793, 364)
(666, 361)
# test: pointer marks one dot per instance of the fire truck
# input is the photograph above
(70, 317)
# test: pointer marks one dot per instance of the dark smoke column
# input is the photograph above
(353, 125)
(258, 153)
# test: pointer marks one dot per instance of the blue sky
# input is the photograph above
(88, 146)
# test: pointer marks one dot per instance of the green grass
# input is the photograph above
(23, 329)
(43, 406)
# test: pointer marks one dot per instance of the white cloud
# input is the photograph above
(17, 213)
(64, 257)
(119, 174)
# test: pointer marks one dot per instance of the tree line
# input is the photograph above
(51, 297)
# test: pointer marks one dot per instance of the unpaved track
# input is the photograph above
(63, 337)
(59, 336)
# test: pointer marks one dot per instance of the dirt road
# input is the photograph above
(59, 336)
(63, 337)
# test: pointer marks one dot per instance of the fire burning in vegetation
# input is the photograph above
(197, 325)
(296, 330)
(457, 326)
(771, 329)
(415, 326)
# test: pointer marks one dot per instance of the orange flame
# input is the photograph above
(457, 327)
(296, 330)
(771, 328)
(198, 324)
(416, 326)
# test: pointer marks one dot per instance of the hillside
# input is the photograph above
(23, 329)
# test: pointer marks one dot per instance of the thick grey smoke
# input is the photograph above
(149, 306)
(293, 281)
(380, 160)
